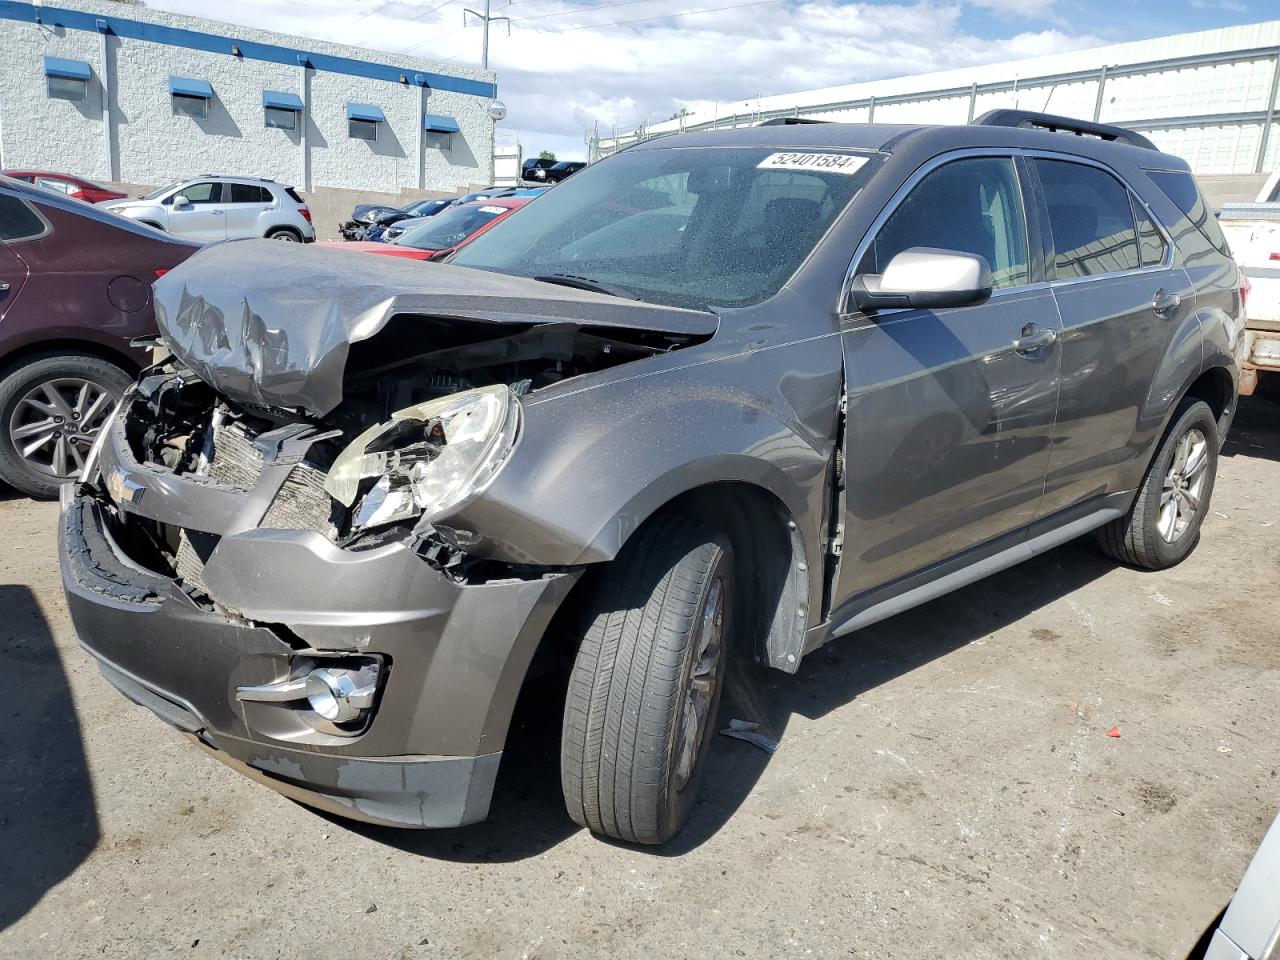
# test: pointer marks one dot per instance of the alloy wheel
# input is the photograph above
(55, 423)
(1183, 489)
(705, 665)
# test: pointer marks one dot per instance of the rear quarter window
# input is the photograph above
(18, 221)
(1182, 190)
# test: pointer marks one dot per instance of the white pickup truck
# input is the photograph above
(1253, 232)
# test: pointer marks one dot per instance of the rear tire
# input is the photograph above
(284, 233)
(32, 397)
(1162, 526)
(645, 686)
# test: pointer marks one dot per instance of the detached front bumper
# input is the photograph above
(454, 654)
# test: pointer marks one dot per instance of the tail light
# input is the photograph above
(1245, 288)
(306, 214)
(1275, 255)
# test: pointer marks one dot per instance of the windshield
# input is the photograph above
(696, 227)
(450, 227)
(156, 193)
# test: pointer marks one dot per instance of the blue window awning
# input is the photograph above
(187, 87)
(365, 111)
(67, 69)
(439, 123)
(281, 101)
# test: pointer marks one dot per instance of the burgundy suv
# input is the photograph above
(75, 288)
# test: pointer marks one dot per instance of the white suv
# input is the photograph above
(212, 208)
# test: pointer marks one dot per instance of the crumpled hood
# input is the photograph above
(270, 323)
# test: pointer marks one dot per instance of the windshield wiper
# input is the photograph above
(583, 283)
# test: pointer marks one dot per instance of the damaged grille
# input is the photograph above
(302, 503)
(236, 461)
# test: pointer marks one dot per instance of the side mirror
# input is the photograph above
(924, 278)
(180, 202)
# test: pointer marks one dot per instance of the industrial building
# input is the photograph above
(139, 97)
(1209, 97)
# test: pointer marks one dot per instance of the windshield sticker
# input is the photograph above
(817, 162)
(493, 209)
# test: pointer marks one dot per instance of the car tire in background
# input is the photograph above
(645, 686)
(1162, 526)
(284, 233)
(51, 409)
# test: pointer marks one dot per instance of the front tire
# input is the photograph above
(51, 409)
(1162, 526)
(645, 687)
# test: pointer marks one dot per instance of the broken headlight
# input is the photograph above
(427, 458)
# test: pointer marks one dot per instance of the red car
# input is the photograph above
(444, 233)
(76, 188)
(75, 289)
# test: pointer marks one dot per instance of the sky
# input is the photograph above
(569, 64)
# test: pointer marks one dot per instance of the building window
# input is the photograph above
(68, 88)
(362, 129)
(278, 119)
(184, 106)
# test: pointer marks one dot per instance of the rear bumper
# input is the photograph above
(1261, 354)
(455, 655)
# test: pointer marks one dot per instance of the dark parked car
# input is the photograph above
(77, 188)
(529, 169)
(435, 238)
(556, 171)
(414, 213)
(363, 216)
(839, 371)
(75, 288)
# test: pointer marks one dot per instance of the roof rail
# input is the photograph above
(787, 121)
(1047, 121)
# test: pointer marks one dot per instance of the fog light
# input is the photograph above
(341, 695)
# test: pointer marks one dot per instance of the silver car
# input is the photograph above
(211, 208)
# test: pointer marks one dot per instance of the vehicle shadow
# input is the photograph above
(1256, 430)
(48, 824)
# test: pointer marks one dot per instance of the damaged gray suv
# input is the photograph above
(731, 394)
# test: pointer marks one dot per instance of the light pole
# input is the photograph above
(486, 18)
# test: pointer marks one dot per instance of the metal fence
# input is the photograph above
(1178, 102)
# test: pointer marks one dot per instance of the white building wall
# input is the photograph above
(151, 145)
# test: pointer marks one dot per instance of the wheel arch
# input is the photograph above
(283, 228)
(773, 563)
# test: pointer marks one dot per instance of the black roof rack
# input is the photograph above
(1047, 121)
(788, 121)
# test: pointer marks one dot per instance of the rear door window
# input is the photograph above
(1090, 219)
(966, 206)
(1151, 243)
(246, 193)
(18, 221)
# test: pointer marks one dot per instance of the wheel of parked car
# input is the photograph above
(645, 687)
(1163, 525)
(51, 409)
(283, 233)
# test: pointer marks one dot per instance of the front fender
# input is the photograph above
(593, 464)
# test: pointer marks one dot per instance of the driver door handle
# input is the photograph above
(1163, 304)
(1034, 337)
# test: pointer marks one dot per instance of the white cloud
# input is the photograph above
(564, 68)
(1020, 8)
(1235, 6)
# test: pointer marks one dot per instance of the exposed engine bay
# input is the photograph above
(418, 432)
